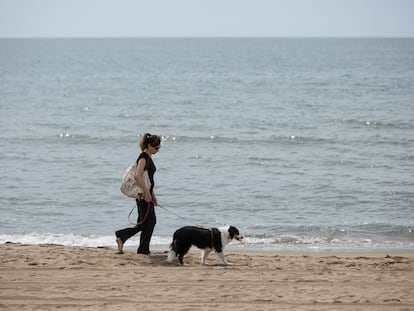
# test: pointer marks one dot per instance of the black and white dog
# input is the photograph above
(205, 239)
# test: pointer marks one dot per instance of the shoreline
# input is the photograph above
(163, 242)
(322, 252)
(51, 276)
(235, 248)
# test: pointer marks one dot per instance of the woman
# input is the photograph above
(149, 144)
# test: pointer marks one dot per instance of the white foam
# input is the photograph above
(92, 240)
(283, 242)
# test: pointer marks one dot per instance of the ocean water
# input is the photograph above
(303, 144)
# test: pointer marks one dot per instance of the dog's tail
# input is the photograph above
(173, 245)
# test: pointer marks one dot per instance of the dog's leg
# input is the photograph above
(204, 254)
(171, 256)
(181, 249)
(223, 260)
(181, 259)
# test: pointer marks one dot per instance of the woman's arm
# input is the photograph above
(140, 180)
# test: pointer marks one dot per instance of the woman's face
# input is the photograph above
(155, 149)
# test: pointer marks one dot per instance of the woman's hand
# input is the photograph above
(147, 196)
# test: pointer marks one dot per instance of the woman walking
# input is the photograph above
(149, 144)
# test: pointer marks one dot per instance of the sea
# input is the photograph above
(303, 144)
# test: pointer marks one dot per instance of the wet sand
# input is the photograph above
(50, 277)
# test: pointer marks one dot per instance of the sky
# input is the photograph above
(206, 18)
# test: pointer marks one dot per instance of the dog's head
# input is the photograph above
(235, 234)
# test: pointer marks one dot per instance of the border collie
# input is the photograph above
(205, 239)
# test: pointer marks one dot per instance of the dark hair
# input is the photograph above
(148, 139)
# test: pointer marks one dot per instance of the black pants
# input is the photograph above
(146, 223)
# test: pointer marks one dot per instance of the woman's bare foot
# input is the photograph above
(120, 245)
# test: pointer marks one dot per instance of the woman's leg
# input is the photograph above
(126, 233)
(147, 226)
(123, 235)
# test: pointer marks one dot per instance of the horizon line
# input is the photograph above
(206, 37)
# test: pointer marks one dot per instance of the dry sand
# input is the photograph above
(50, 277)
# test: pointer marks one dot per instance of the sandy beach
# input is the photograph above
(50, 277)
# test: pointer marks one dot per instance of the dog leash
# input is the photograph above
(145, 217)
(176, 215)
(187, 220)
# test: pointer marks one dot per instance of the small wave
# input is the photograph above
(73, 138)
(374, 123)
(336, 240)
(92, 240)
(283, 139)
(93, 139)
(296, 139)
(213, 138)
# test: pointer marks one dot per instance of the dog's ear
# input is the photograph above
(233, 231)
